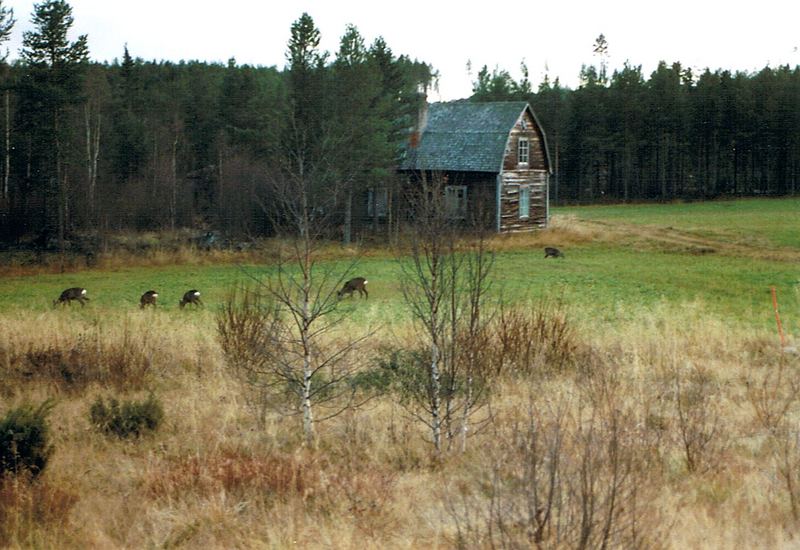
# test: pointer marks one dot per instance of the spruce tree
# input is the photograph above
(54, 71)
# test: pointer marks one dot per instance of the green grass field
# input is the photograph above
(775, 221)
(600, 280)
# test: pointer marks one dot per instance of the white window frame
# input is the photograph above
(526, 213)
(523, 151)
(455, 200)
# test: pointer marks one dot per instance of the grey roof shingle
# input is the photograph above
(461, 136)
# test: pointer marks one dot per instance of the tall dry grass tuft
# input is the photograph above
(536, 339)
(275, 476)
(33, 511)
(68, 355)
(74, 362)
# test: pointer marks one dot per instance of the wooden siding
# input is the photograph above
(514, 176)
(536, 146)
(536, 180)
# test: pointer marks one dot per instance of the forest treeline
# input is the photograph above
(670, 135)
(141, 145)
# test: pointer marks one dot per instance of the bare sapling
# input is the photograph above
(149, 298)
(356, 284)
(191, 297)
(70, 295)
(564, 475)
(472, 336)
(425, 287)
(305, 363)
(696, 396)
(445, 289)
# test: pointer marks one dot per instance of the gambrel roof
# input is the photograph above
(465, 137)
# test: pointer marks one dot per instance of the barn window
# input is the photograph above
(455, 200)
(524, 202)
(377, 201)
(523, 151)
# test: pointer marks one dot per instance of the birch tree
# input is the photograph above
(445, 288)
(6, 24)
(285, 336)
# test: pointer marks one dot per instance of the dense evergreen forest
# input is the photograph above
(673, 135)
(139, 145)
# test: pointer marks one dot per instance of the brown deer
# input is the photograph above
(74, 293)
(551, 252)
(358, 283)
(148, 299)
(191, 297)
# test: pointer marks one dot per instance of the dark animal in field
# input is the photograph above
(148, 299)
(191, 297)
(358, 283)
(74, 293)
(550, 251)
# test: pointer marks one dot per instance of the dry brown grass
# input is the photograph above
(34, 512)
(211, 477)
(126, 250)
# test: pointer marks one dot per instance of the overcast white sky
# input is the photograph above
(557, 34)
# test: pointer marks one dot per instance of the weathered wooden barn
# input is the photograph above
(494, 157)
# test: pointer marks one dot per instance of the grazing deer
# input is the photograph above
(148, 299)
(75, 293)
(358, 283)
(550, 251)
(191, 297)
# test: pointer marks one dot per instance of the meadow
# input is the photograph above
(671, 391)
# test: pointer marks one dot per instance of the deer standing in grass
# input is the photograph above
(70, 294)
(552, 252)
(191, 297)
(357, 284)
(148, 299)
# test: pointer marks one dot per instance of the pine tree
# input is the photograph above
(364, 152)
(54, 73)
(306, 80)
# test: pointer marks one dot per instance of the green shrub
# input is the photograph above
(24, 439)
(131, 418)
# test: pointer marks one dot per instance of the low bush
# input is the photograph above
(131, 418)
(24, 438)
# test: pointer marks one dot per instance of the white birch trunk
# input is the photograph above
(7, 170)
(95, 152)
(173, 199)
(87, 119)
(436, 390)
(92, 153)
(308, 416)
(348, 217)
(467, 412)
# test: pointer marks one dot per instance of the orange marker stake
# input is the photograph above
(778, 316)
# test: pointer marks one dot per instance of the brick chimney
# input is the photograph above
(422, 120)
